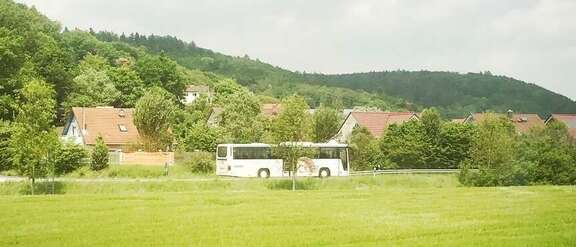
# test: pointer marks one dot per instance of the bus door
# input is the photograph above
(223, 156)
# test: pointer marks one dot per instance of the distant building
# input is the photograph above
(568, 119)
(192, 92)
(458, 120)
(522, 121)
(115, 125)
(270, 110)
(215, 116)
(375, 122)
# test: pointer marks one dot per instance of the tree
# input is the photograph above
(405, 144)
(99, 157)
(92, 88)
(128, 83)
(290, 128)
(68, 157)
(431, 123)
(293, 123)
(5, 134)
(33, 138)
(455, 141)
(241, 121)
(326, 123)
(364, 151)
(550, 151)
(493, 154)
(153, 116)
(160, 71)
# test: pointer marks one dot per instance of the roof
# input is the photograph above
(569, 120)
(270, 110)
(215, 115)
(377, 122)
(458, 120)
(197, 88)
(106, 122)
(522, 121)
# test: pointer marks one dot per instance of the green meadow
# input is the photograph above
(386, 210)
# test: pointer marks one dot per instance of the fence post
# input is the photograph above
(165, 168)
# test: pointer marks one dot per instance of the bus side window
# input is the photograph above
(222, 152)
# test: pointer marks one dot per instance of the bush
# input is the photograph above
(100, 157)
(201, 162)
(68, 157)
(301, 184)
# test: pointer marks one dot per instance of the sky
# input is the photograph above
(530, 40)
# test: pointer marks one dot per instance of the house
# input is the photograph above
(215, 116)
(192, 92)
(115, 125)
(568, 119)
(522, 121)
(458, 120)
(270, 110)
(375, 122)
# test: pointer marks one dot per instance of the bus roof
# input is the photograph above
(305, 144)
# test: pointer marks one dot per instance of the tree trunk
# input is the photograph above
(293, 175)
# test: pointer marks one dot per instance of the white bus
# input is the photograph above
(257, 160)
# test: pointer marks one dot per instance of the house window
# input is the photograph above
(122, 128)
(73, 130)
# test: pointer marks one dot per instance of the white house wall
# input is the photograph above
(346, 130)
(73, 133)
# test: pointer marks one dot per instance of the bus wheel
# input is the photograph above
(324, 172)
(263, 173)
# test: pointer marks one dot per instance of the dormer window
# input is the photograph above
(122, 128)
(122, 113)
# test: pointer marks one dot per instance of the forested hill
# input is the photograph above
(454, 93)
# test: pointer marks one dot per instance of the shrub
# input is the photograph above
(68, 157)
(200, 162)
(100, 157)
(301, 184)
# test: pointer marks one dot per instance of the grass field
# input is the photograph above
(392, 210)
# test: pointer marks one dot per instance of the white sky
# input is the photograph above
(531, 40)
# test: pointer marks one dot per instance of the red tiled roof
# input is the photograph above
(569, 120)
(522, 121)
(377, 122)
(106, 123)
(270, 110)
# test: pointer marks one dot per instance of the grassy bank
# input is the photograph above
(355, 212)
(120, 185)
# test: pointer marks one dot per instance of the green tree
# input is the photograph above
(405, 144)
(153, 116)
(241, 122)
(128, 83)
(550, 151)
(161, 71)
(33, 138)
(493, 154)
(99, 156)
(5, 134)
(92, 88)
(326, 123)
(293, 123)
(455, 141)
(364, 151)
(68, 157)
(431, 123)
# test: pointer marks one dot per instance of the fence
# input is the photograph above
(403, 171)
(142, 158)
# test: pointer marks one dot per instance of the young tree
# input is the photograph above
(33, 138)
(153, 117)
(326, 122)
(293, 123)
(99, 157)
(290, 128)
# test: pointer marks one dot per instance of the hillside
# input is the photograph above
(454, 93)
